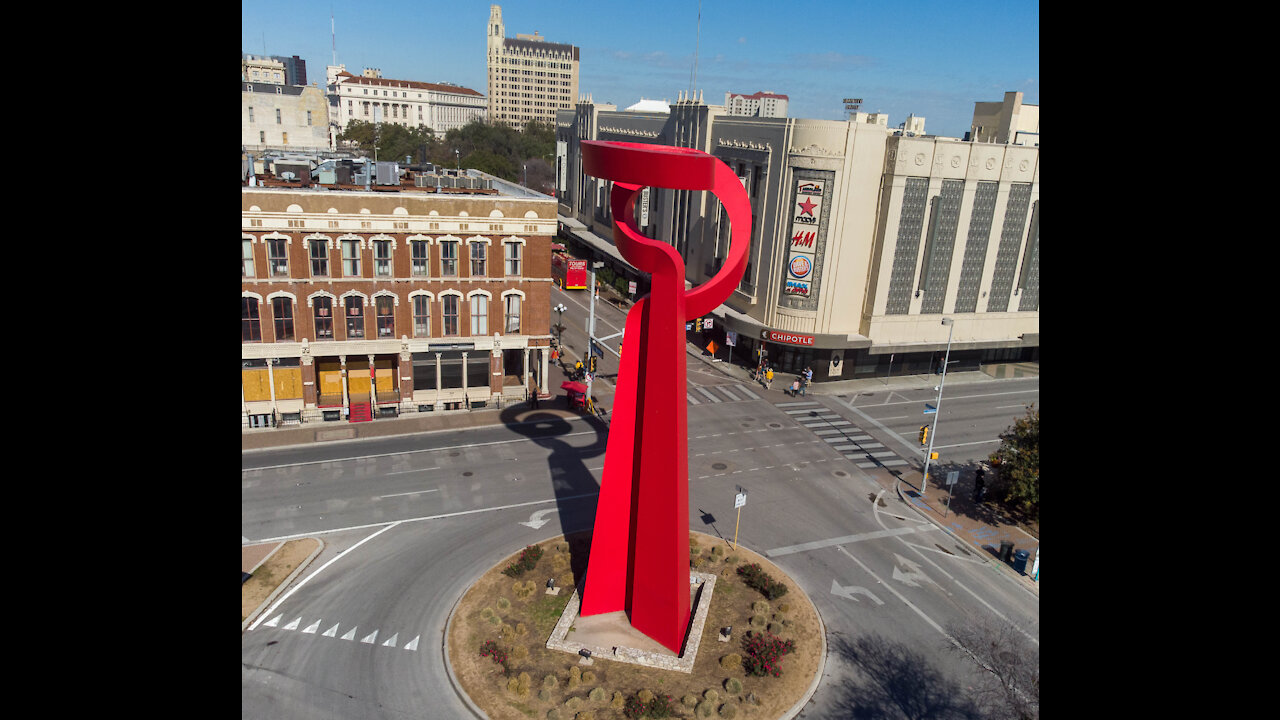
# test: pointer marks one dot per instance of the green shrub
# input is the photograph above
(733, 686)
(645, 696)
(550, 682)
(710, 695)
(755, 577)
(544, 695)
(585, 715)
(596, 695)
(573, 703)
(528, 559)
(689, 700)
(704, 709)
(758, 621)
(618, 701)
(588, 677)
(731, 662)
(761, 607)
(553, 714)
(504, 604)
(728, 710)
(784, 608)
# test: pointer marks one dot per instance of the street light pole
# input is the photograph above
(937, 408)
(591, 329)
(560, 322)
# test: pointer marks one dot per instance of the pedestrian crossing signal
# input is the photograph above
(924, 434)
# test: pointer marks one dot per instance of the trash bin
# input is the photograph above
(1006, 550)
(1020, 561)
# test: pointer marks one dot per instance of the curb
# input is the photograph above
(448, 664)
(822, 664)
(1000, 564)
(280, 588)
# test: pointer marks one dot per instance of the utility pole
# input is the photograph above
(937, 408)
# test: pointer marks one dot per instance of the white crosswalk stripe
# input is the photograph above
(725, 391)
(693, 400)
(747, 391)
(841, 435)
(708, 394)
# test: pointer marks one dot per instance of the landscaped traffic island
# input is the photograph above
(765, 667)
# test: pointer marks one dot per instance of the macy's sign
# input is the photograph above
(782, 337)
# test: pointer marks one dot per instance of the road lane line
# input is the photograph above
(415, 492)
(303, 581)
(407, 452)
(428, 517)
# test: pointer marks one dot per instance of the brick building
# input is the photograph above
(362, 304)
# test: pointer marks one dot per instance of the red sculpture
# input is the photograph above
(639, 558)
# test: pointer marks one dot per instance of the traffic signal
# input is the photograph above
(924, 434)
(593, 364)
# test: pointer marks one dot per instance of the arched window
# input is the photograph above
(450, 314)
(282, 312)
(511, 312)
(385, 310)
(422, 316)
(322, 313)
(250, 323)
(355, 317)
(479, 315)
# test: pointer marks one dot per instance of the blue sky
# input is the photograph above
(931, 59)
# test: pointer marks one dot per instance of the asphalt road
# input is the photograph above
(411, 521)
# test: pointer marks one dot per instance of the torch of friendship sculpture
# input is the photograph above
(639, 559)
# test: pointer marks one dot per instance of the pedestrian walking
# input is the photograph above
(979, 486)
(768, 378)
(808, 378)
(535, 398)
(795, 388)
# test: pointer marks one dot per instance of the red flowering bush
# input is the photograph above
(763, 653)
(755, 577)
(491, 649)
(661, 706)
(528, 558)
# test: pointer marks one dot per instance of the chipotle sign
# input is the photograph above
(783, 337)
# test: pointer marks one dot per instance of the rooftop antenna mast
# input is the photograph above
(334, 32)
(693, 77)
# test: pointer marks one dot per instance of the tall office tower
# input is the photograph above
(529, 78)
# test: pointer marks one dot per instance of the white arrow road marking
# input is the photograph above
(536, 520)
(351, 635)
(273, 622)
(293, 625)
(391, 641)
(413, 644)
(312, 627)
(911, 575)
(850, 591)
(332, 632)
(372, 636)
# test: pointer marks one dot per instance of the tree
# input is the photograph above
(1010, 662)
(394, 141)
(1017, 465)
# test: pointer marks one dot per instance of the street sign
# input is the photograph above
(740, 500)
(631, 286)
(952, 477)
(706, 323)
(730, 338)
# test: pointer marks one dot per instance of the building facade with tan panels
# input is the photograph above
(529, 78)
(862, 239)
(358, 305)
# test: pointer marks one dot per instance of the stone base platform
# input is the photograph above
(610, 635)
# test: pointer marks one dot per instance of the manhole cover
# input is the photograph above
(466, 474)
(775, 425)
(454, 454)
(841, 473)
(746, 424)
(719, 466)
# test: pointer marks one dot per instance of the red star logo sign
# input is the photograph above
(807, 207)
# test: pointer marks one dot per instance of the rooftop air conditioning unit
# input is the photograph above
(288, 175)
